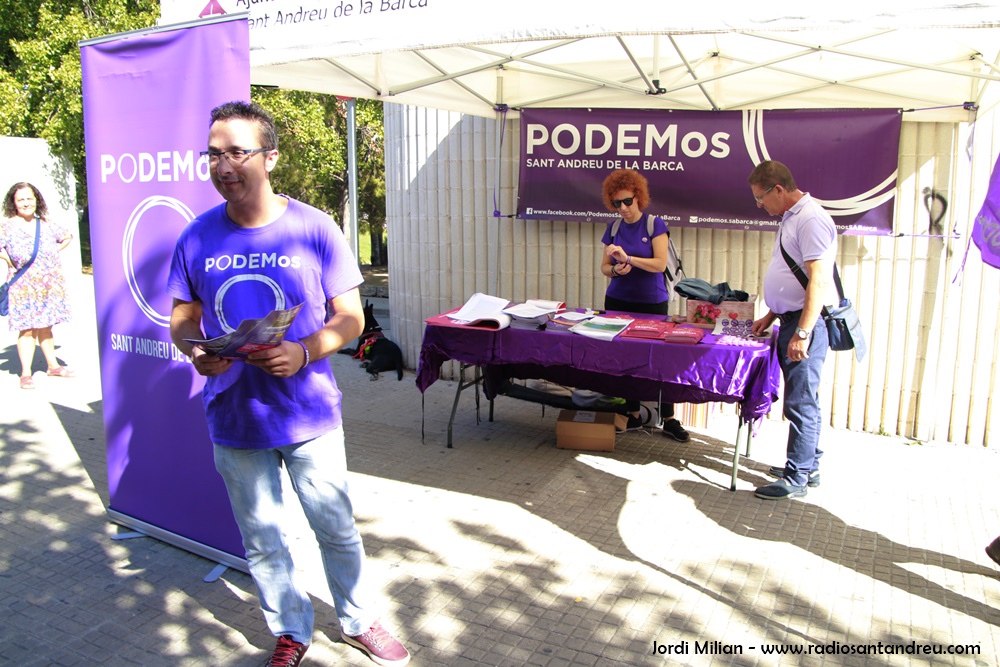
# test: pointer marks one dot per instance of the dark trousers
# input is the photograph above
(801, 401)
(611, 303)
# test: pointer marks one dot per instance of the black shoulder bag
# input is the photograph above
(842, 324)
(20, 272)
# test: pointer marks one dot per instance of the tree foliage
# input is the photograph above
(312, 130)
(41, 97)
(41, 84)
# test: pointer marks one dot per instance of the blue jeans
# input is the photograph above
(801, 400)
(318, 471)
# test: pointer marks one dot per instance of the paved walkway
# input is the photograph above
(508, 551)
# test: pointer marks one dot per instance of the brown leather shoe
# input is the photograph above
(993, 550)
(287, 653)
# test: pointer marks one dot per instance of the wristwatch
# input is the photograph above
(801, 333)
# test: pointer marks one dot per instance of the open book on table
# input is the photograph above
(548, 305)
(482, 310)
(252, 335)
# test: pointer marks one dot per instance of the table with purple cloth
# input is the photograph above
(630, 368)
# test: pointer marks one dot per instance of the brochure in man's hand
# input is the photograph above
(252, 335)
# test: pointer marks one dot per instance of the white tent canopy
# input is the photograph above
(477, 57)
(452, 64)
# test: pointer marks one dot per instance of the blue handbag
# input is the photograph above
(842, 324)
(20, 272)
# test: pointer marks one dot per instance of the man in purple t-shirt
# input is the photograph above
(257, 252)
(809, 236)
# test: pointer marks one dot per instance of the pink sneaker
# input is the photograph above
(380, 646)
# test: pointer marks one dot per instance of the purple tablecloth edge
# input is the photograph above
(479, 347)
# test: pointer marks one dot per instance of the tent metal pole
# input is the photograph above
(496, 206)
(352, 176)
(656, 60)
(497, 162)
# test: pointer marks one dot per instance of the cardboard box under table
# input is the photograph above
(589, 430)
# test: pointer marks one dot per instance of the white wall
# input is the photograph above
(933, 346)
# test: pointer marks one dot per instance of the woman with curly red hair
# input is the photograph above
(634, 260)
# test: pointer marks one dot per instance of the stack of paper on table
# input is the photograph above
(687, 335)
(533, 313)
(570, 317)
(604, 328)
(649, 329)
(663, 330)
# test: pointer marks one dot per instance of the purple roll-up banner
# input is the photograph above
(697, 163)
(147, 98)
(986, 229)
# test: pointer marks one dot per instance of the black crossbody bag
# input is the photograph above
(842, 324)
(20, 272)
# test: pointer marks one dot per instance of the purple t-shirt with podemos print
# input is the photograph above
(238, 273)
(637, 286)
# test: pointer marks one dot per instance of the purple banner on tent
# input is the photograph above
(147, 98)
(697, 163)
(986, 229)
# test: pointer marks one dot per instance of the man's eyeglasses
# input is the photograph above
(760, 197)
(234, 156)
(618, 202)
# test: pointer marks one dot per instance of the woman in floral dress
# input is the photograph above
(38, 299)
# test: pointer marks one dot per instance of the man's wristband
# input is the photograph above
(306, 351)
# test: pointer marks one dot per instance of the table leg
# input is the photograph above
(462, 385)
(454, 404)
(736, 454)
(736, 450)
(482, 376)
(476, 377)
